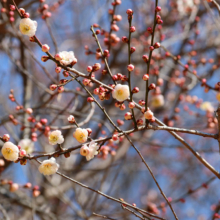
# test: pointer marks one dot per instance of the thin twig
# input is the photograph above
(107, 196)
(103, 216)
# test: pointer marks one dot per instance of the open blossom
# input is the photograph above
(207, 106)
(157, 101)
(184, 6)
(67, 58)
(28, 27)
(55, 137)
(27, 145)
(90, 151)
(121, 92)
(10, 151)
(81, 135)
(49, 167)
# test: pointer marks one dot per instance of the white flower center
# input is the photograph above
(120, 92)
(9, 150)
(54, 138)
(48, 165)
(26, 27)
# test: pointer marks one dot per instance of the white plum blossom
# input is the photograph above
(184, 6)
(93, 150)
(49, 167)
(67, 58)
(55, 137)
(27, 145)
(89, 151)
(81, 135)
(121, 92)
(28, 27)
(157, 101)
(207, 106)
(10, 151)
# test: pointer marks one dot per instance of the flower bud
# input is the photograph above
(145, 77)
(124, 39)
(128, 116)
(135, 90)
(145, 58)
(28, 185)
(156, 45)
(90, 99)
(71, 119)
(58, 69)
(67, 154)
(131, 105)
(130, 67)
(89, 69)
(132, 29)
(158, 9)
(65, 73)
(129, 12)
(43, 121)
(115, 137)
(140, 122)
(22, 11)
(45, 48)
(26, 15)
(150, 30)
(6, 137)
(141, 102)
(96, 91)
(115, 77)
(29, 111)
(84, 150)
(122, 107)
(53, 87)
(152, 86)
(86, 82)
(106, 53)
(36, 193)
(32, 39)
(12, 7)
(14, 187)
(96, 66)
(151, 48)
(133, 49)
(58, 57)
(22, 153)
(45, 58)
(60, 89)
(148, 114)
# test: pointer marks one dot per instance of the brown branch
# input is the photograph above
(134, 213)
(183, 130)
(107, 196)
(188, 70)
(195, 153)
(218, 118)
(103, 216)
(217, 5)
(104, 58)
(139, 153)
(150, 55)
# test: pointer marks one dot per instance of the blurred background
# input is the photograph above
(190, 30)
